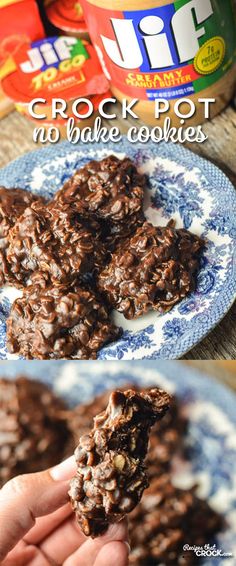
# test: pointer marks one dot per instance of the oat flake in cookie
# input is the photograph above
(111, 473)
(59, 322)
(156, 268)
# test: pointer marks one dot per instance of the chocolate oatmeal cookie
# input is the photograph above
(166, 517)
(166, 436)
(59, 322)
(32, 434)
(111, 189)
(56, 243)
(13, 202)
(111, 473)
(156, 268)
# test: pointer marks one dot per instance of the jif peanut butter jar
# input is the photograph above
(158, 49)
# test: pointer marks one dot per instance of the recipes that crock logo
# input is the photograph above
(207, 551)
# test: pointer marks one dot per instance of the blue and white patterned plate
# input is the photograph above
(182, 186)
(210, 407)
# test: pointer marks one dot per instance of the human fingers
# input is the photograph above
(45, 526)
(62, 542)
(29, 496)
(89, 551)
(115, 552)
(25, 555)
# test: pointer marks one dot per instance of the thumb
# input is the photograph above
(29, 496)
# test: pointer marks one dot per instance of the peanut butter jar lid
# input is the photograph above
(67, 15)
(64, 67)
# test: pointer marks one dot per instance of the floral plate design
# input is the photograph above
(183, 186)
(209, 406)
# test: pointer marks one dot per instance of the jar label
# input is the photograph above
(172, 51)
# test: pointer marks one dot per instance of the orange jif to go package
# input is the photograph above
(20, 22)
(56, 67)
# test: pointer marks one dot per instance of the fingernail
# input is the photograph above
(128, 546)
(65, 470)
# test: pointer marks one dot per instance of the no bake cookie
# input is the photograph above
(111, 189)
(111, 473)
(166, 436)
(55, 242)
(13, 202)
(59, 322)
(155, 269)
